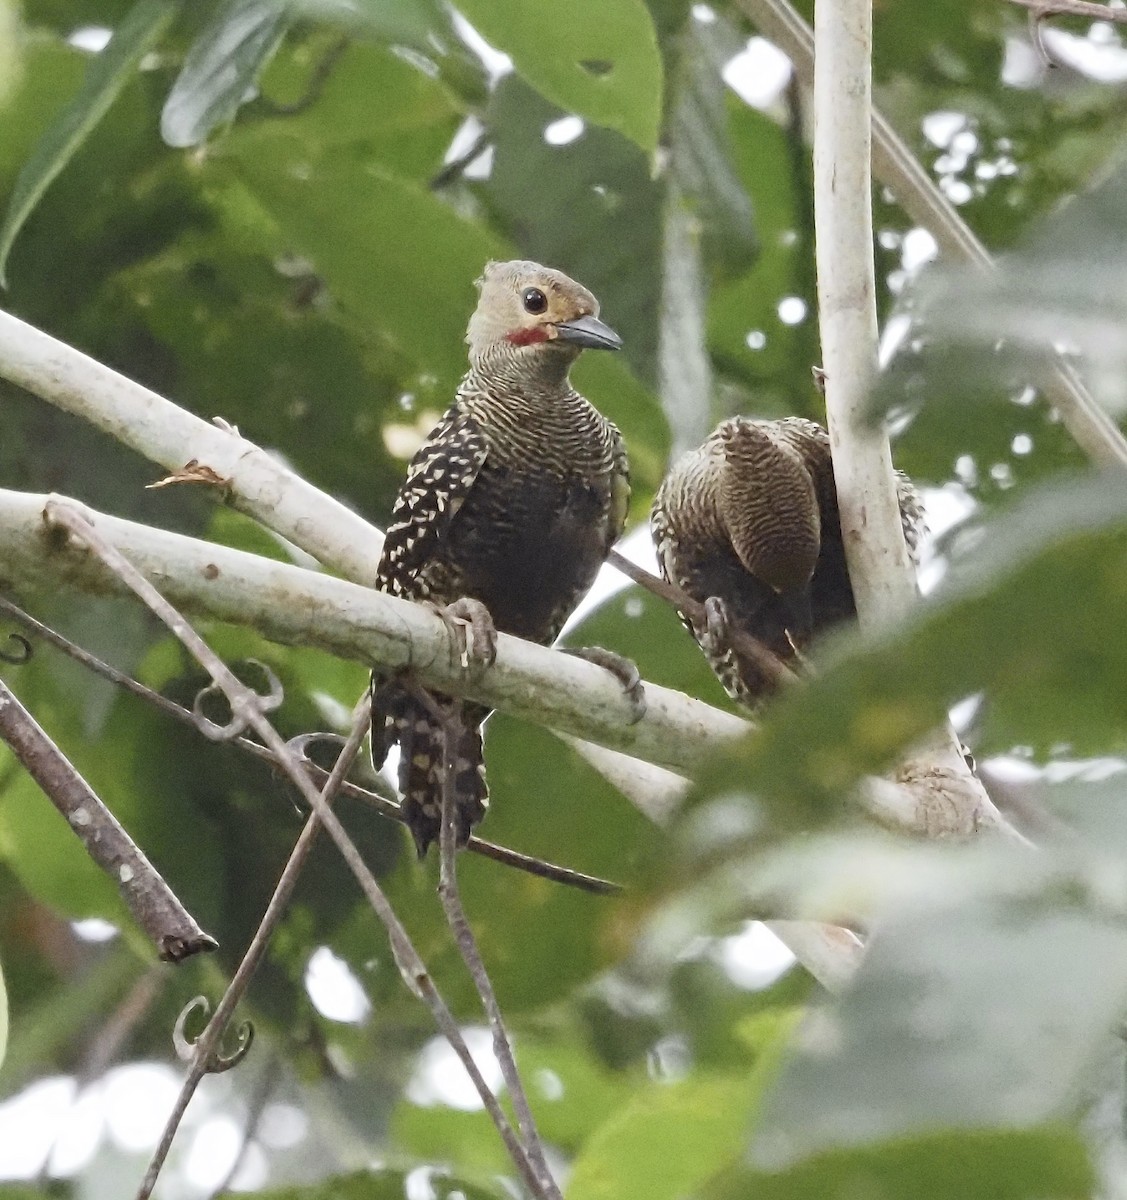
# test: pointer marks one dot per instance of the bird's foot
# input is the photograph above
(625, 670)
(715, 640)
(473, 630)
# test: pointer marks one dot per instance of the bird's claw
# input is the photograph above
(472, 628)
(625, 670)
(715, 640)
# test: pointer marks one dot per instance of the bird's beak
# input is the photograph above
(590, 333)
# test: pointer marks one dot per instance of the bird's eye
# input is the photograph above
(534, 300)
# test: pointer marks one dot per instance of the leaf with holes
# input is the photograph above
(597, 58)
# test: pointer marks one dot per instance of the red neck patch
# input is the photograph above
(527, 337)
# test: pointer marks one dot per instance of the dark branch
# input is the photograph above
(315, 87)
(453, 170)
(743, 644)
(385, 805)
(151, 901)
(467, 947)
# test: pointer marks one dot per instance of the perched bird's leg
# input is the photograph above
(624, 669)
(471, 625)
(715, 638)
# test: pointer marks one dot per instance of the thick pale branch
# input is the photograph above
(883, 579)
(292, 605)
(895, 166)
(251, 480)
(882, 576)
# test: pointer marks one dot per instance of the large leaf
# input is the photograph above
(106, 75)
(1043, 1164)
(665, 1142)
(1030, 618)
(221, 67)
(390, 251)
(672, 1136)
(985, 1016)
(597, 58)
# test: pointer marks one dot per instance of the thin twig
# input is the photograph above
(384, 805)
(245, 706)
(916, 191)
(742, 643)
(207, 1044)
(151, 901)
(315, 86)
(454, 169)
(471, 956)
(113, 1032)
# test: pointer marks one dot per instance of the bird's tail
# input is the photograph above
(400, 718)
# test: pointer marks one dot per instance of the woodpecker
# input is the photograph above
(748, 525)
(507, 512)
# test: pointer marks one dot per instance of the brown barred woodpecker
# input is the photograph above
(507, 512)
(747, 524)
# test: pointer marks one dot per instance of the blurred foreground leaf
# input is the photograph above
(981, 1016)
(1043, 1164)
(1007, 624)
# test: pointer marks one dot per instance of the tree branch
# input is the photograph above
(879, 567)
(151, 901)
(883, 578)
(899, 170)
(383, 804)
(292, 605)
(252, 481)
(248, 710)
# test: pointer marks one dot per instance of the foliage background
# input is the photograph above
(294, 250)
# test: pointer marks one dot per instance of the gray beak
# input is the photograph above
(590, 333)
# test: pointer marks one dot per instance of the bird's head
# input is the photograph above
(537, 313)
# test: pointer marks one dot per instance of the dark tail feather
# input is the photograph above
(420, 736)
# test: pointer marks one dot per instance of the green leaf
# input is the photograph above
(543, 194)
(106, 75)
(985, 1016)
(1041, 1164)
(596, 58)
(422, 24)
(1031, 619)
(390, 259)
(221, 67)
(665, 1142)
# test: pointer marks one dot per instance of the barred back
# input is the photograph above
(709, 539)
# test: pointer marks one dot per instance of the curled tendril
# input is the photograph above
(19, 656)
(299, 746)
(217, 1063)
(265, 702)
